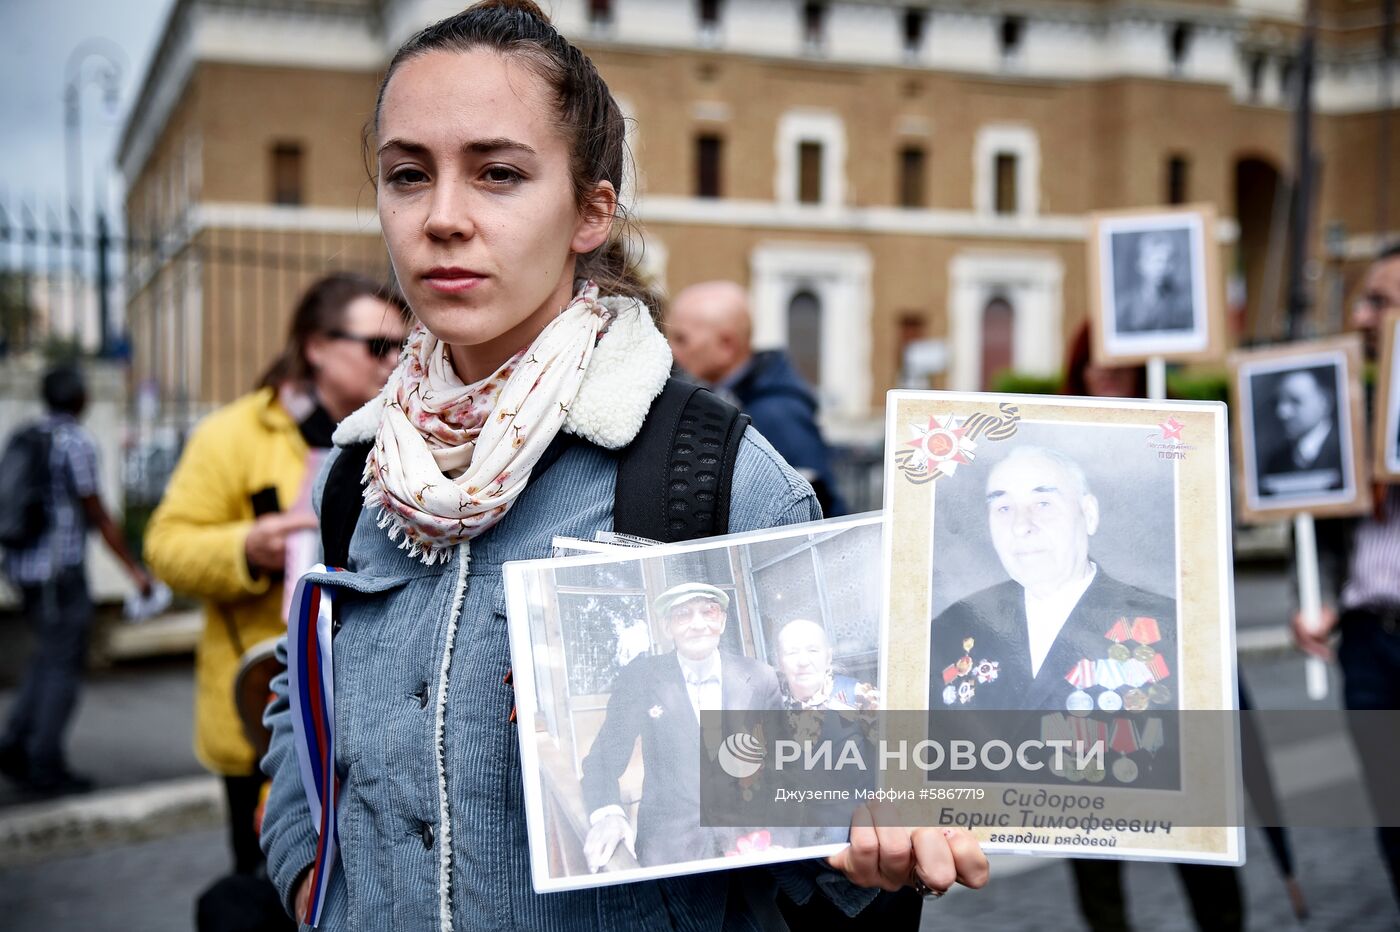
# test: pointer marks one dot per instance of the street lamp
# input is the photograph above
(110, 63)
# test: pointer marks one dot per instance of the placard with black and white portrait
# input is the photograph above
(1153, 282)
(1061, 567)
(1299, 429)
(1387, 420)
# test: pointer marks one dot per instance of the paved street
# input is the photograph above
(133, 729)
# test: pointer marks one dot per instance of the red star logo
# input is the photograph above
(1171, 429)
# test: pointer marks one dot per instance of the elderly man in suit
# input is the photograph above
(1309, 455)
(658, 698)
(1060, 633)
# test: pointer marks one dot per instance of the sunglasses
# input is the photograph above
(378, 347)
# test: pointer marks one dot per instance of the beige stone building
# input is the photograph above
(875, 172)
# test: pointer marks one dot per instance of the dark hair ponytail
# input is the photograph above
(588, 114)
(320, 311)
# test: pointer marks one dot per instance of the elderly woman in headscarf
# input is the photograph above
(806, 674)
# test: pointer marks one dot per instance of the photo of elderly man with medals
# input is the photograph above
(1063, 567)
(1067, 636)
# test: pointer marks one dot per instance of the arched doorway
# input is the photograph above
(804, 336)
(1261, 206)
(998, 340)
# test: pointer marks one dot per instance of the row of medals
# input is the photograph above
(1125, 769)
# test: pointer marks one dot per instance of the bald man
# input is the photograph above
(711, 333)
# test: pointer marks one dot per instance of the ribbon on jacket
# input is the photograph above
(312, 694)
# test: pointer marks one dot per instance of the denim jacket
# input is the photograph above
(431, 817)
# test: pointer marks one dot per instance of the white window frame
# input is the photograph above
(840, 277)
(1013, 139)
(825, 128)
(1032, 283)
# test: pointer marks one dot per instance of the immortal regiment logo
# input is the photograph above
(946, 442)
(1168, 441)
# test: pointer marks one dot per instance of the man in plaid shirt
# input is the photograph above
(51, 577)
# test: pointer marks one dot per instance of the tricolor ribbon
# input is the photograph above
(312, 695)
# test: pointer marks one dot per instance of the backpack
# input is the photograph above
(673, 479)
(24, 512)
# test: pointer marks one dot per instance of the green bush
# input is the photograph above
(1024, 383)
(1198, 386)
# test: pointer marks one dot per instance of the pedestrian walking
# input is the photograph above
(48, 511)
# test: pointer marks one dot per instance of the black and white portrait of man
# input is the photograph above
(1153, 291)
(1298, 432)
(1072, 554)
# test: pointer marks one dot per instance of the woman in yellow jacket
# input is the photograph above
(222, 528)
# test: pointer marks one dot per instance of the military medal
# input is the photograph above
(1094, 774)
(967, 645)
(950, 694)
(963, 665)
(1110, 701)
(1119, 633)
(1074, 774)
(1151, 739)
(1144, 653)
(1125, 742)
(1109, 674)
(1081, 676)
(1135, 700)
(1136, 673)
(1159, 694)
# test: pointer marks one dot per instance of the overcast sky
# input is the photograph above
(36, 39)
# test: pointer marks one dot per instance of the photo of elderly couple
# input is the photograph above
(630, 650)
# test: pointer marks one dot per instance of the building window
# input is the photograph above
(809, 172)
(911, 176)
(804, 335)
(600, 12)
(1179, 44)
(1004, 201)
(709, 14)
(1285, 77)
(1178, 178)
(914, 22)
(709, 153)
(814, 25)
(287, 174)
(1255, 70)
(998, 340)
(1012, 29)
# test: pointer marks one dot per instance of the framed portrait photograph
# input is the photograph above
(1155, 286)
(1386, 442)
(619, 656)
(1037, 557)
(1299, 429)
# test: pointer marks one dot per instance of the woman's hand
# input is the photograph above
(890, 857)
(303, 899)
(266, 543)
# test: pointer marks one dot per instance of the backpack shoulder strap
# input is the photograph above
(341, 501)
(673, 480)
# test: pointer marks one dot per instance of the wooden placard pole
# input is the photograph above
(1310, 598)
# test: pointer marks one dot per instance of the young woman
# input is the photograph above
(221, 529)
(500, 154)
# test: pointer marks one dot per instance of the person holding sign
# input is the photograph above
(500, 152)
(1361, 559)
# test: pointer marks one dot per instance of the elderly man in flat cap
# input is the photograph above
(659, 698)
